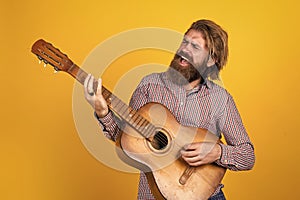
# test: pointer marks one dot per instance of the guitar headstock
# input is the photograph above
(47, 53)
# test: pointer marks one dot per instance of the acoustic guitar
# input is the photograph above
(151, 139)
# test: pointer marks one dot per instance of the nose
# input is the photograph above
(186, 50)
(186, 47)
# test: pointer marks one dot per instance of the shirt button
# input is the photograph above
(181, 103)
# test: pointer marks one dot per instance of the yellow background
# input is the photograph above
(41, 154)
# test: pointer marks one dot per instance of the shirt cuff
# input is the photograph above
(106, 120)
(226, 156)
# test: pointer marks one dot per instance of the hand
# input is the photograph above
(96, 100)
(200, 153)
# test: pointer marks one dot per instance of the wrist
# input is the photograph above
(219, 151)
(101, 114)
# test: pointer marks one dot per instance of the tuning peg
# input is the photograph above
(45, 65)
(56, 70)
(40, 61)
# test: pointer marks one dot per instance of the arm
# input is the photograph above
(107, 120)
(238, 154)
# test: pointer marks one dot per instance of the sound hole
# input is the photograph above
(159, 141)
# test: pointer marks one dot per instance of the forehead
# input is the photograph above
(195, 36)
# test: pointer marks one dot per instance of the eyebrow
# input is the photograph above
(190, 40)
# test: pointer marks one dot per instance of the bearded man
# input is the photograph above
(188, 91)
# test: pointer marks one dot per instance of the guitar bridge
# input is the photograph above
(186, 175)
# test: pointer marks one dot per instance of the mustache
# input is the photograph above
(185, 56)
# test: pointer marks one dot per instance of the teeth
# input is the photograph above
(184, 58)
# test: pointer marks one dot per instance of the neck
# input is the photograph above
(192, 84)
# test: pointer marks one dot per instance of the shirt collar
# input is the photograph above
(207, 83)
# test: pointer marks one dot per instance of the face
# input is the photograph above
(191, 59)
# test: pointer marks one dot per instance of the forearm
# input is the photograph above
(237, 158)
(238, 152)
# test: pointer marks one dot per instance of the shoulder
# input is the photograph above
(214, 87)
(218, 92)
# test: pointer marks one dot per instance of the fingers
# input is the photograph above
(88, 89)
(193, 158)
(199, 153)
(96, 100)
(191, 153)
(191, 146)
(192, 150)
(99, 87)
(90, 86)
(194, 161)
(200, 147)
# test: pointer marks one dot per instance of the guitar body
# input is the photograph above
(169, 176)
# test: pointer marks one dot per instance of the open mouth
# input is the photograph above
(183, 61)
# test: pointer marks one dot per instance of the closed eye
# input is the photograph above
(196, 46)
(184, 41)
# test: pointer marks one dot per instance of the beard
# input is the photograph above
(182, 75)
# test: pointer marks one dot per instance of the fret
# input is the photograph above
(120, 107)
(106, 94)
(131, 116)
(81, 75)
(150, 130)
(128, 114)
(115, 103)
(131, 112)
(123, 108)
(134, 117)
(125, 113)
(142, 126)
(138, 120)
(77, 73)
(49, 54)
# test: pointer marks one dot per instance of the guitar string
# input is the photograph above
(140, 123)
(144, 122)
(143, 126)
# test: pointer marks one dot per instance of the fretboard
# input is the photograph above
(129, 115)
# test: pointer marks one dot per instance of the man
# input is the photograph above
(187, 90)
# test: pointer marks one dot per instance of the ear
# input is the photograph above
(210, 62)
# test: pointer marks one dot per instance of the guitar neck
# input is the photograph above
(142, 125)
(80, 75)
(60, 61)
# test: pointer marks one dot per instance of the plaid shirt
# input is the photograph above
(207, 106)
